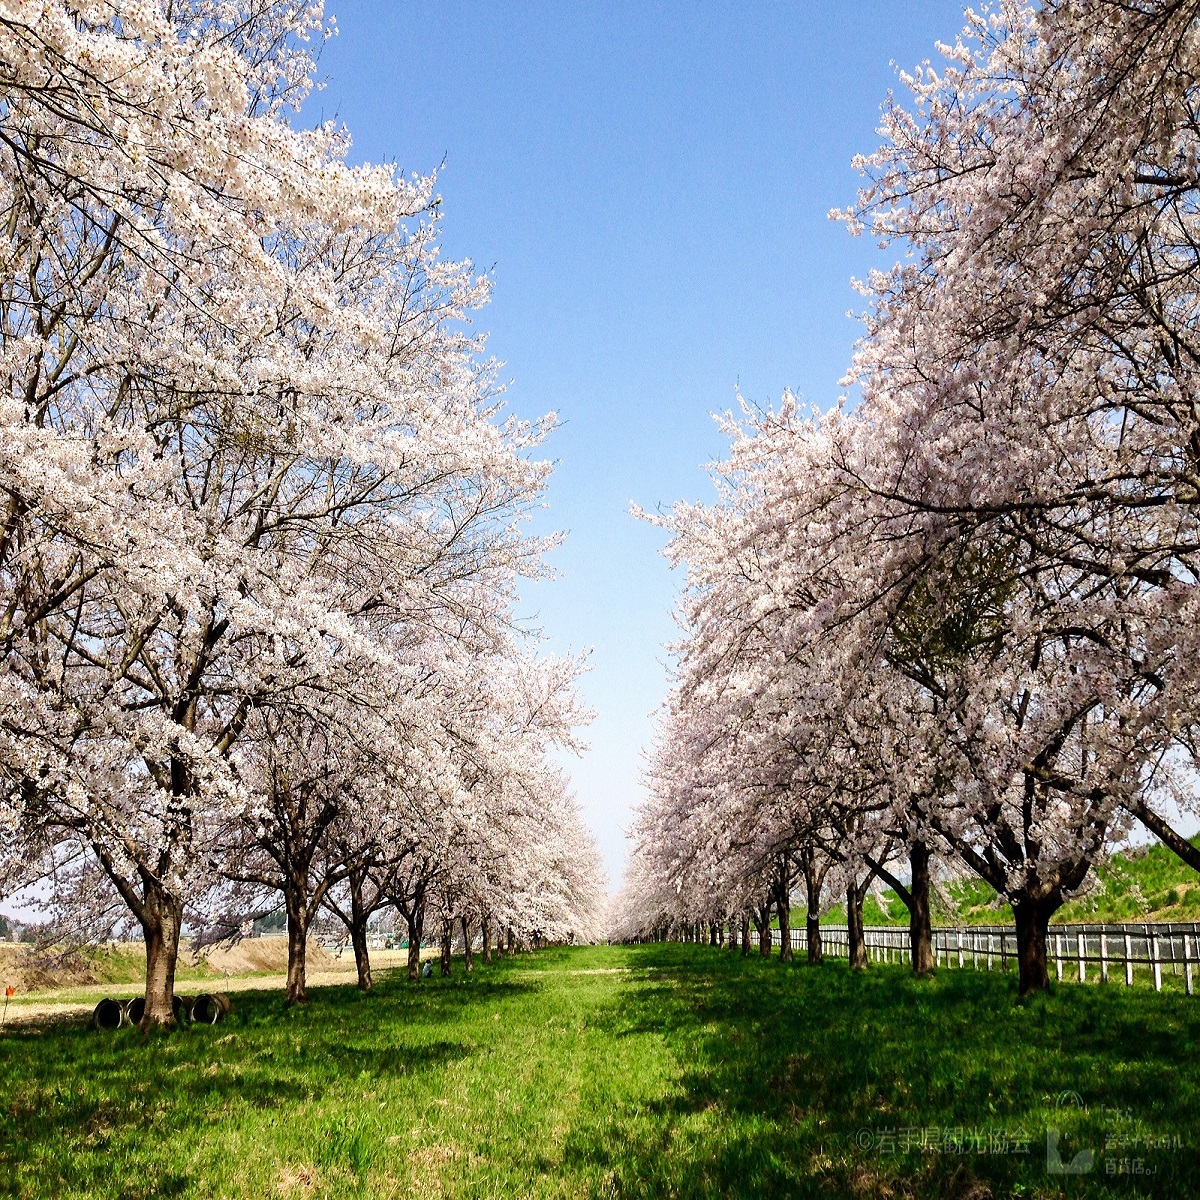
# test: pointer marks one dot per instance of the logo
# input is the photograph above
(1081, 1164)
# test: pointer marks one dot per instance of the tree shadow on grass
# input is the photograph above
(818, 1081)
(85, 1111)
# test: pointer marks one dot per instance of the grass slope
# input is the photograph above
(123, 964)
(1149, 883)
(618, 1071)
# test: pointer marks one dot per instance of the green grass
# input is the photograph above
(625, 1071)
(1137, 885)
(126, 964)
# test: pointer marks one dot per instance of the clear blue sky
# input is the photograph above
(648, 185)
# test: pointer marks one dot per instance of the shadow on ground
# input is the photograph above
(650, 1071)
(802, 1080)
(78, 1106)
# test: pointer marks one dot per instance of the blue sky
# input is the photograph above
(648, 186)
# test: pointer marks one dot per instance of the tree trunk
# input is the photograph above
(764, 931)
(415, 923)
(814, 881)
(485, 932)
(447, 931)
(468, 959)
(162, 918)
(812, 930)
(783, 906)
(1032, 920)
(920, 927)
(512, 942)
(712, 933)
(362, 955)
(745, 933)
(854, 927)
(358, 933)
(297, 929)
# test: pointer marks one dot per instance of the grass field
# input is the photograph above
(620, 1071)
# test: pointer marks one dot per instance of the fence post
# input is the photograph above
(1103, 956)
(1187, 962)
(1154, 958)
(1081, 946)
(1128, 961)
(1058, 955)
(958, 935)
(989, 949)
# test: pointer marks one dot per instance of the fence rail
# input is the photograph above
(1075, 950)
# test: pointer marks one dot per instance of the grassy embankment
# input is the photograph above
(623, 1071)
(1146, 884)
(49, 986)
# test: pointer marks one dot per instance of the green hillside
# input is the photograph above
(1146, 883)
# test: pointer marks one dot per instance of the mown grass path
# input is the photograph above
(620, 1071)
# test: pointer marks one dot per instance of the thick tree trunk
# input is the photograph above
(468, 958)
(764, 932)
(812, 930)
(297, 929)
(816, 867)
(485, 932)
(162, 919)
(447, 932)
(854, 927)
(362, 955)
(512, 942)
(712, 933)
(358, 933)
(920, 926)
(814, 881)
(415, 923)
(745, 933)
(1032, 920)
(783, 907)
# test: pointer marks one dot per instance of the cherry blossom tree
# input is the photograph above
(250, 450)
(995, 551)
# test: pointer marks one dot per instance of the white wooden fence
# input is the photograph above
(1077, 951)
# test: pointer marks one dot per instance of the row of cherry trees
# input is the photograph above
(957, 622)
(260, 510)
